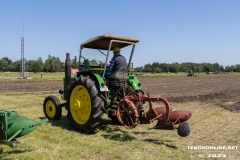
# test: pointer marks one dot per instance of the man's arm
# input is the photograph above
(109, 69)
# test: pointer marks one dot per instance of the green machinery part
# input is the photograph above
(13, 125)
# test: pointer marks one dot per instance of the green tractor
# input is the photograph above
(191, 73)
(89, 94)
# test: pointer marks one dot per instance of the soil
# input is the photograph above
(221, 89)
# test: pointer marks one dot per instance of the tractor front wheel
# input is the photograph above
(52, 108)
(85, 105)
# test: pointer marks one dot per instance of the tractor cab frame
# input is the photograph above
(106, 42)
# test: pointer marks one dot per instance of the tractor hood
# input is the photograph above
(102, 42)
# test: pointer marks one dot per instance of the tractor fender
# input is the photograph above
(134, 82)
(97, 78)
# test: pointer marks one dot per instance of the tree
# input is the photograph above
(40, 63)
(3, 65)
(206, 67)
(175, 67)
(33, 66)
(172, 69)
(215, 67)
(229, 68)
(138, 69)
(199, 68)
(157, 70)
(74, 63)
(16, 66)
(164, 67)
(9, 63)
(53, 64)
(148, 68)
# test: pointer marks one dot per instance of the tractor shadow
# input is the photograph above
(17, 151)
(119, 137)
(63, 122)
(115, 132)
(161, 142)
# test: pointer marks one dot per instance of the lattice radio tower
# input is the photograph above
(22, 68)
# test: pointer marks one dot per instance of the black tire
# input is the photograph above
(85, 105)
(52, 108)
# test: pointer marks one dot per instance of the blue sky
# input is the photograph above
(169, 31)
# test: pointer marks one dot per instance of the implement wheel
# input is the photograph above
(85, 105)
(127, 113)
(52, 108)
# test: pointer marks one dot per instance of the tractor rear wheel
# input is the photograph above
(85, 105)
(52, 108)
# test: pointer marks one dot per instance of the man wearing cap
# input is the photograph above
(118, 61)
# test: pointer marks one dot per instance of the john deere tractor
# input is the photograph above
(89, 94)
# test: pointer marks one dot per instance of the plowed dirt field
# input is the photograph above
(221, 89)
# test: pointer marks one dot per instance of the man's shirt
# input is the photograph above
(118, 61)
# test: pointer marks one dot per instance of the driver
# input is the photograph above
(118, 61)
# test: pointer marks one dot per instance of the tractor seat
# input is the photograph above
(119, 74)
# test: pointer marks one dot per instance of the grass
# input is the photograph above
(6, 76)
(211, 125)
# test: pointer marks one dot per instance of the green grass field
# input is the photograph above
(4, 76)
(211, 125)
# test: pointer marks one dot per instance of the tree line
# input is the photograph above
(51, 64)
(185, 67)
(54, 64)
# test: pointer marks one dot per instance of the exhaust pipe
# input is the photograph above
(68, 69)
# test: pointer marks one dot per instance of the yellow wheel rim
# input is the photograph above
(50, 109)
(80, 104)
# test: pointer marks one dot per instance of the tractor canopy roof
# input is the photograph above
(102, 42)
